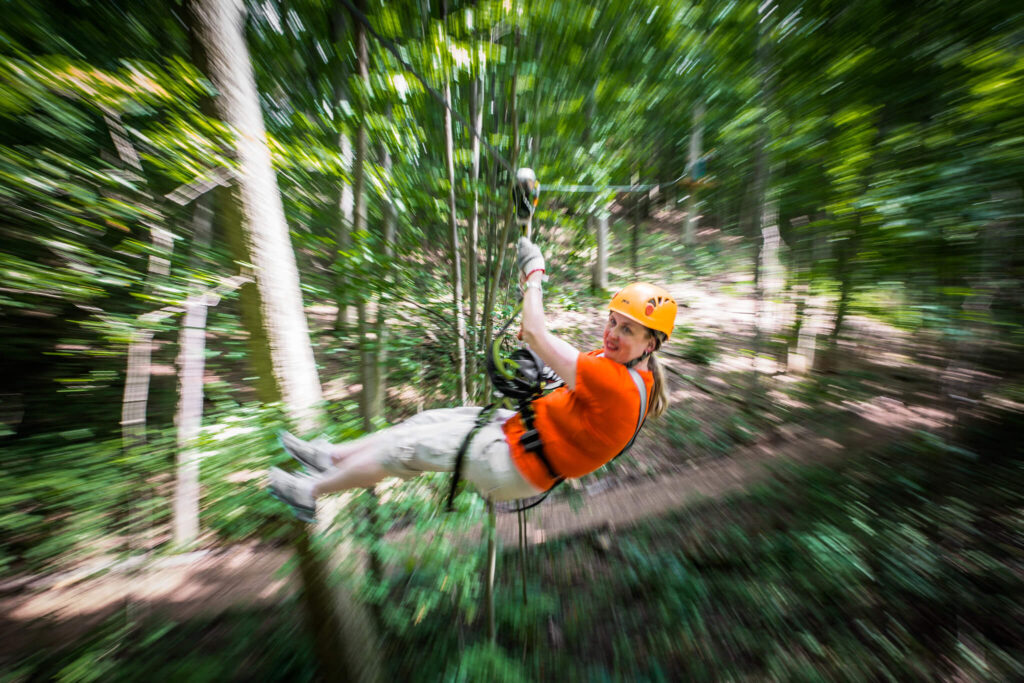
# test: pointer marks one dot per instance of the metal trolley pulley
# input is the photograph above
(525, 195)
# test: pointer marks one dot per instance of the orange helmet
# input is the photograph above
(647, 304)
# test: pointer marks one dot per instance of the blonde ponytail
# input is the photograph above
(659, 392)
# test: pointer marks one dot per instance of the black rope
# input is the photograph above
(522, 550)
(481, 419)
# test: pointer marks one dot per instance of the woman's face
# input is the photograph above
(625, 339)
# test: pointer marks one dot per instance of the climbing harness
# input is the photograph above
(524, 377)
(532, 438)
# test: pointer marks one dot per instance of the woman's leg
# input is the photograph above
(361, 470)
(341, 452)
(300, 490)
(428, 444)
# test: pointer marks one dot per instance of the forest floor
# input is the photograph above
(888, 385)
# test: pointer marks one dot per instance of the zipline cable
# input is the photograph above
(646, 187)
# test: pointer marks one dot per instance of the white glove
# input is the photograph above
(530, 258)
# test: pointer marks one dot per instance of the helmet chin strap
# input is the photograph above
(644, 355)
(639, 359)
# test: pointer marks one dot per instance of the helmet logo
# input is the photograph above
(650, 309)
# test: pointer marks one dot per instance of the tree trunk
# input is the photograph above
(765, 206)
(477, 113)
(279, 336)
(844, 271)
(771, 265)
(453, 230)
(368, 375)
(345, 207)
(810, 328)
(189, 417)
(281, 351)
(388, 210)
(599, 220)
(696, 137)
(504, 226)
(634, 241)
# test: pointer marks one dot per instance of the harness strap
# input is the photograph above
(482, 419)
(531, 442)
(642, 388)
(534, 437)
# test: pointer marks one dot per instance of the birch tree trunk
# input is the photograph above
(696, 140)
(189, 417)
(281, 352)
(477, 114)
(346, 202)
(453, 229)
(600, 275)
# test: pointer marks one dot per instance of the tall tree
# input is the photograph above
(453, 233)
(344, 208)
(696, 138)
(476, 107)
(368, 375)
(280, 347)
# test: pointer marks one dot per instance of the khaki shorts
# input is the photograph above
(429, 442)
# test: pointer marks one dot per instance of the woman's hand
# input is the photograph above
(530, 258)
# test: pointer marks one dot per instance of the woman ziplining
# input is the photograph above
(512, 455)
(581, 426)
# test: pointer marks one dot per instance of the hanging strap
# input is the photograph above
(641, 386)
(530, 440)
(482, 419)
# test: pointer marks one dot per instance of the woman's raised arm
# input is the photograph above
(557, 353)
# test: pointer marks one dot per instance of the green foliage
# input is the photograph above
(489, 663)
(891, 145)
(237, 449)
(255, 644)
(703, 437)
(700, 349)
(69, 493)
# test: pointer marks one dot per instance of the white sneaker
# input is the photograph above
(296, 490)
(315, 455)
